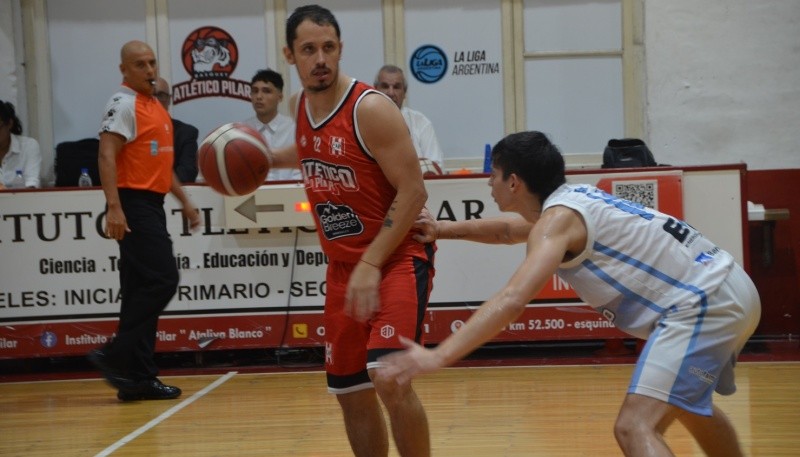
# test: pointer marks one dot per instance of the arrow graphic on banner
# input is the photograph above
(250, 209)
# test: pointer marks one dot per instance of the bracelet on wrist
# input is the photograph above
(370, 264)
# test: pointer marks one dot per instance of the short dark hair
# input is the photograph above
(314, 13)
(8, 115)
(268, 76)
(532, 157)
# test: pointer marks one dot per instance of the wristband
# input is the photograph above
(370, 264)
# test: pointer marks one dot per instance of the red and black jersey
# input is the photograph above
(348, 192)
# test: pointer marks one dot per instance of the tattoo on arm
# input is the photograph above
(388, 222)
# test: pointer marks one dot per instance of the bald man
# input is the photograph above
(135, 163)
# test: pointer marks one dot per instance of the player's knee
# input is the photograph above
(356, 401)
(390, 392)
(625, 429)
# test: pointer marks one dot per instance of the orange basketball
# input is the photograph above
(234, 159)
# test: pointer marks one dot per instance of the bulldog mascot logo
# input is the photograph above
(210, 55)
(209, 52)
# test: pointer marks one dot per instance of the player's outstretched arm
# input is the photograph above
(285, 157)
(553, 236)
(498, 230)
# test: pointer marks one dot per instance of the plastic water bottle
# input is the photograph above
(85, 180)
(487, 158)
(19, 181)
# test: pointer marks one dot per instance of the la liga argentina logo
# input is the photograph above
(428, 64)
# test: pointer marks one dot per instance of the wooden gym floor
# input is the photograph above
(481, 408)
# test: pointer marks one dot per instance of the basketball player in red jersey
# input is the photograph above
(363, 180)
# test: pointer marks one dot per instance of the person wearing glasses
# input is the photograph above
(185, 164)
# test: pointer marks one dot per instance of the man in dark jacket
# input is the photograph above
(185, 164)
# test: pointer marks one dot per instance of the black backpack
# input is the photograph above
(627, 153)
(71, 156)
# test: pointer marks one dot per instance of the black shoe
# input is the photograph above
(150, 389)
(114, 376)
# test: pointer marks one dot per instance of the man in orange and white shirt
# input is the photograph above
(135, 163)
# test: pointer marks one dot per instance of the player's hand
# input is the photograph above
(192, 215)
(425, 227)
(116, 223)
(402, 366)
(362, 299)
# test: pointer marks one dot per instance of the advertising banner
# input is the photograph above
(239, 287)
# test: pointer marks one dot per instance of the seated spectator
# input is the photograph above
(17, 152)
(266, 93)
(391, 81)
(185, 138)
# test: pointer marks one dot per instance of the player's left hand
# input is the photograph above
(403, 366)
(362, 300)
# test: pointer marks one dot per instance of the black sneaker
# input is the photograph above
(114, 376)
(151, 389)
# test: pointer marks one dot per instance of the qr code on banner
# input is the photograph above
(643, 192)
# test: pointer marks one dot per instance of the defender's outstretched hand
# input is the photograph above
(403, 366)
(425, 227)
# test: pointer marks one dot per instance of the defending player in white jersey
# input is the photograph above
(651, 274)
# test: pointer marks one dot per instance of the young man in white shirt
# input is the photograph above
(266, 93)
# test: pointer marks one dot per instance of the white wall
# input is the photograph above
(12, 76)
(7, 73)
(723, 82)
(466, 110)
(83, 82)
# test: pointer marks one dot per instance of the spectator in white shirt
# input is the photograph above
(17, 152)
(391, 81)
(266, 92)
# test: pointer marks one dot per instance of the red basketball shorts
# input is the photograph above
(352, 347)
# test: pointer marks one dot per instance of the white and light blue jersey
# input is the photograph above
(638, 263)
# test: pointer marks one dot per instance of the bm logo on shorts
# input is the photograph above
(387, 331)
(428, 64)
